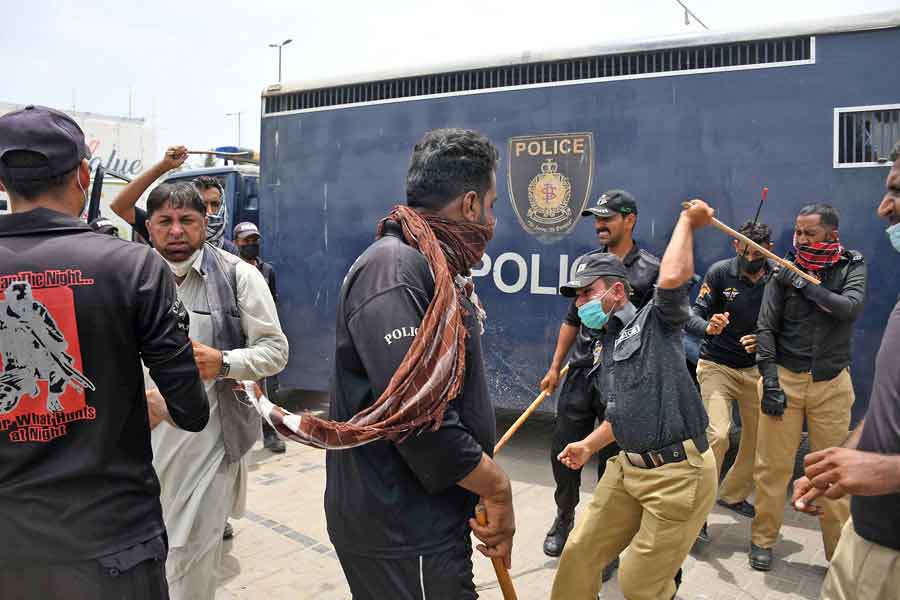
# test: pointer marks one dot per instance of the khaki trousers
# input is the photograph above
(655, 513)
(861, 570)
(721, 385)
(826, 406)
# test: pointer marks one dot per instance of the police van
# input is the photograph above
(808, 110)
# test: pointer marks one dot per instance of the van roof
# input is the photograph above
(880, 20)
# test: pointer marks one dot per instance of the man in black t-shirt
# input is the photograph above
(866, 563)
(399, 513)
(579, 405)
(724, 315)
(79, 310)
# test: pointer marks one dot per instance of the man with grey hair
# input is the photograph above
(236, 336)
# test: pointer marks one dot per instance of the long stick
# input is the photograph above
(740, 236)
(524, 416)
(503, 578)
(223, 154)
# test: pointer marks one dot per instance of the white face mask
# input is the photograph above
(182, 268)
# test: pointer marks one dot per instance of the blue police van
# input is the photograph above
(810, 111)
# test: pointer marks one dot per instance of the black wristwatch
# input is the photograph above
(226, 367)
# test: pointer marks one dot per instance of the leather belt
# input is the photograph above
(670, 454)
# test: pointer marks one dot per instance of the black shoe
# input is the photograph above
(610, 569)
(558, 534)
(760, 558)
(704, 534)
(273, 443)
(229, 532)
(743, 508)
(677, 583)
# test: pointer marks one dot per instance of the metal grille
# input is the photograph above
(761, 52)
(866, 136)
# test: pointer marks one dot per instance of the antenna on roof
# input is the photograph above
(688, 14)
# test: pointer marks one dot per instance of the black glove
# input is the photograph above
(788, 278)
(773, 399)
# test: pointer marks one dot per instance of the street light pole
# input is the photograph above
(238, 115)
(280, 46)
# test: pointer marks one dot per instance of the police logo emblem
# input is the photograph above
(549, 194)
(549, 178)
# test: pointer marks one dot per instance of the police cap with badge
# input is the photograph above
(591, 268)
(611, 203)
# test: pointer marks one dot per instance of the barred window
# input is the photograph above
(865, 135)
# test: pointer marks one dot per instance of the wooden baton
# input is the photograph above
(524, 416)
(768, 254)
(503, 577)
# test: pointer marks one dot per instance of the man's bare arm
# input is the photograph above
(123, 204)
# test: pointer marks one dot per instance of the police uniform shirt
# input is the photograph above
(642, 269)
(652, 401)
(390, 500)
(78, 312)
(725, 289)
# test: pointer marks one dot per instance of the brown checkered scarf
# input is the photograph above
(433, 370)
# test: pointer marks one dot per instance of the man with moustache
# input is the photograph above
(866, 563)
(803, 354)
(579, 405)
(236, 336)
(211, 192)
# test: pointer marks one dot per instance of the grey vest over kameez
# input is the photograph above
(240, 421)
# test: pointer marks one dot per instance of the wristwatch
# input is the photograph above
(226, 367)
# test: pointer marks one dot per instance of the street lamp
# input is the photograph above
(238, 115)
(280, 46)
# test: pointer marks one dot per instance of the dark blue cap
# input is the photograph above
(49, 133)
(592, 267)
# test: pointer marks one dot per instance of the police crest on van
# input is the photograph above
(549, 180)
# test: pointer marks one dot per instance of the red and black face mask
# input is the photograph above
(818, 256)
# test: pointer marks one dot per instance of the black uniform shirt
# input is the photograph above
(391, 500)
(725, 290)
(652, 401)
(801, 336)
(877, 518)
(78, 312)
(642, 269)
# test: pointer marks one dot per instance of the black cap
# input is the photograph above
(591, 268)
(50, 133)
(612, 202)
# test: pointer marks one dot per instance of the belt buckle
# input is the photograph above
(636, 460)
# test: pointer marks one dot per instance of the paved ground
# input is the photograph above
(281, 549)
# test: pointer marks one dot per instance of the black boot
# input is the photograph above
(610, 569)
(271, 441)
(760, 558)
(559, 533)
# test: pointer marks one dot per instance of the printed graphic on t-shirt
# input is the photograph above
(731, 293)
(42, 386)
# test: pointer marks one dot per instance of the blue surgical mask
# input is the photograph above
(592, 314)
(894, 235)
